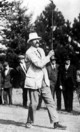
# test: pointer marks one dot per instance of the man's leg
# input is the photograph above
(6, 96)
(52, 87)
(48, 99)
(58, 97)
(70, 99)
(65, 99)
(24, 97)
(33, 94)
(10, 96)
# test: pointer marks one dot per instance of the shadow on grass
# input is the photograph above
(17, 105)
(74, 112)
(14, 105)
(40, 126)
(11, 122)
(20, 124)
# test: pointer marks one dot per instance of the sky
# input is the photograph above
(69, 8)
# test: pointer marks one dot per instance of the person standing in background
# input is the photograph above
(21, 68)
(78, 81)
(1, 82)
(58, 88)
(68, 80)
(52, 69)
(7, 83)
(53, 72)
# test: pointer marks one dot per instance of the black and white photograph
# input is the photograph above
(39, 66)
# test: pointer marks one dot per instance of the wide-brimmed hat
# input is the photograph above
(33, 36)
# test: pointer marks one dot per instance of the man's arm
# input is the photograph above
(39, 62)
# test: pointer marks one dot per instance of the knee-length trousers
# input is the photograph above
(48, 99)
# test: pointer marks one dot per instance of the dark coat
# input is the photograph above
(1, 75)
(7, 83)
(15, 78)
(21, 76)
(53, 75)
(68, 77)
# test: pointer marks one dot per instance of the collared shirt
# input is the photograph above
(53, 66)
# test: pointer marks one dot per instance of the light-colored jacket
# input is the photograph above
(37, 70)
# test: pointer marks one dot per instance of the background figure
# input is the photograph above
(78, 82)
(1, 82)
(52, 69)
(21, 68)
(68, 79)
(58, 88)
(7, 84)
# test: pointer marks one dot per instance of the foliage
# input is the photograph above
(76, 29)
(76, 37)
(16, 28)
(52, 26)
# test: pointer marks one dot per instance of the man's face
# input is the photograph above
(67, 64)
(22, 60)
(53, 62)
(35, 43)
(78, 76)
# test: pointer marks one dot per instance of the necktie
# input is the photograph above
(39, 53)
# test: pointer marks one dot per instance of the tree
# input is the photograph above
(76, 29)
(60, 29)
(76, 37)
(16, 28)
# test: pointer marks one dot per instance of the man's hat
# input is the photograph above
(53, 58)
(6, 63)
(67, 58)
(33, 36)
(21, 56)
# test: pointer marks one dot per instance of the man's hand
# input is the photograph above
(51, 53)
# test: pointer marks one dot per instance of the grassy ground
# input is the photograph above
(13, 118)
